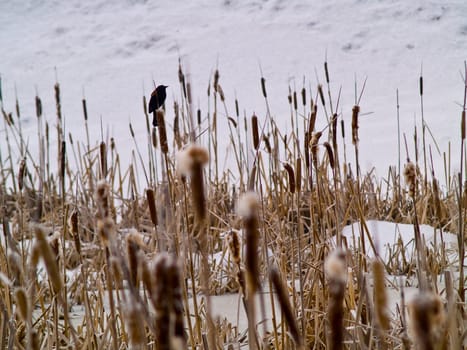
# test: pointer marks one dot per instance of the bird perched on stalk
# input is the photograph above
(157, 100)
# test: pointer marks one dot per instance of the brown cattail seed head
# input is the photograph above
(410, 175)
(152, 205)
(22, 303)
(336, 273)
(21, 172)
(234, 246)
(314, 146)
(248, 209)
(330, 154)
(133, 241)
(355, 112)
(291, 175)
(73, 223)
(427, 317)
(160, 115)
(381, 300)
(255, 131)
(102, 199)
(106, 230)
(191, 162)
(136, 330)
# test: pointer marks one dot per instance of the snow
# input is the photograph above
(111, 52)
(387, 235)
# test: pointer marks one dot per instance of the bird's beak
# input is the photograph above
(166, 86)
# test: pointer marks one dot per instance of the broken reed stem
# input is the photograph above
(283, 298)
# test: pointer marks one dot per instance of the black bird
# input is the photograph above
(157, 100)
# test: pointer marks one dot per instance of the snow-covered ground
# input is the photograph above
(112, 51)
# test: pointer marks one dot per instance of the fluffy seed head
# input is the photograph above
(248, 205)
(189, 157)
(335, 266)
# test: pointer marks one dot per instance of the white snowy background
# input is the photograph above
(112, 50)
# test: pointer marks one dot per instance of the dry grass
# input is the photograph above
(139, 265)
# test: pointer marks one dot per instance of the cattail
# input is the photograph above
(263, 87)
(73, 223)
(198, 116)
(152, 205)
(421, 85)
(355, 112)
(237, 111)
(410, 175)
(330, 154)
(133, 247)
(22, 303)
(85, 110)
(190, 162)
(16, 267)
(381, 299)
(57, 101)
(136, 330)
(38, 107)
(298, 174)
(326, 72)
(248, 206)
(188, 92)
(255, 131)
(291, 175)
(311, 125)
(295, 103)
(103, 156)
(161, 298)
(102, 199)
(303, 97)
(427, 317)
(160, 115)
(62, 160)
(49, 258)
(463, 126)
(321, 94)
(234, 246)
(174, 277)
(21, 172)
(154, 138)
(314, 147)
(307, 149)
(439, 212)
(106, 230)
(343, 129)
(336, 273)
(283, 298)
(216, 79)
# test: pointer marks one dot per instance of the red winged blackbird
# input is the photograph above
(158, 97)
